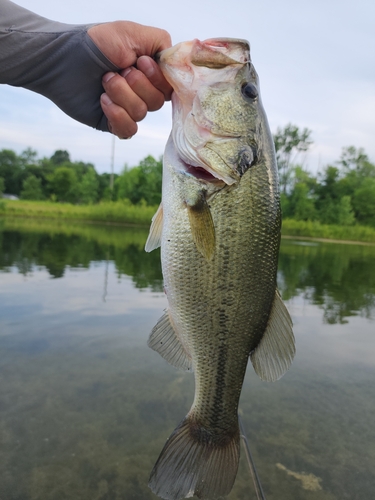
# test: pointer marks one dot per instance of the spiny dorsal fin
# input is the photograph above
(202, 225)
(275, 352)
(154, 238)
(164, 340)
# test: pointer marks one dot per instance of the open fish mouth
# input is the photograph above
(213, 53)
(201, 173)
(208, 147)
(208, 156)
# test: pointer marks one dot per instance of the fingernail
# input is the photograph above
(106, 100)
(146, 66)
(108, 76)
(125, 72)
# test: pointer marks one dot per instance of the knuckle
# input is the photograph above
(124, 131)
(140, 112)
(115, 85)
(115, 114)
(156, 103)
(166, 36)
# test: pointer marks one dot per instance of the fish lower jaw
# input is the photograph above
(205, 173)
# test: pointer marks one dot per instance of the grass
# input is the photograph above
(314, 229)
(122, 212)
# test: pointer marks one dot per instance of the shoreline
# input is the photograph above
(327, 240)
(107, 223)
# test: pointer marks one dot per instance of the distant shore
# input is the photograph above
(124, 213)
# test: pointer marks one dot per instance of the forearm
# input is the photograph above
(59, 61)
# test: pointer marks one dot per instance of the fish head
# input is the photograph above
(216, 107)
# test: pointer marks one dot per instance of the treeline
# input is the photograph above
(59, 179)
(343, 193)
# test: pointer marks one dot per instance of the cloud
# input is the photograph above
(313, 59)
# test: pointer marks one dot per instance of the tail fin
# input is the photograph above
(194, 462)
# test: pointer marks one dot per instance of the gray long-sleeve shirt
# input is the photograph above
(59, 61)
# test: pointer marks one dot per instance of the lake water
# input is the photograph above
(86, 406)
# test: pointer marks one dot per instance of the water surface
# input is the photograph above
(86, 406)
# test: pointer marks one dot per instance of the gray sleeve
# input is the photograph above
(59, 61)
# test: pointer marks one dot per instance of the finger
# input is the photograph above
(120, 92)
(150, 69)
(123, 41)
(119, 121)
(141, 85)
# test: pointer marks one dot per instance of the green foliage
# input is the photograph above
(314, 229)
(343, 194)
(120, 211)
(289, 142)
(89, 187)
(142, 182)
(2, 185)
(60, 157)
(63, 182)
(300, 202)
(10, 171)
(32, 189)
(364, 203)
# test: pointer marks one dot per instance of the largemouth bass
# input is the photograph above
(219, 231)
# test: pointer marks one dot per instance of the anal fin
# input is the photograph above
(275, 352)
(164, 340)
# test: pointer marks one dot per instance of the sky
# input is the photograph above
(315, 60)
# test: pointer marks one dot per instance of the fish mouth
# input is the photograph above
(214, 53)
(210, 153)
(202, 174)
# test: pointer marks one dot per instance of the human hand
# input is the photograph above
(140, 87)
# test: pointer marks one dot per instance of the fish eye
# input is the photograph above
(249, 90)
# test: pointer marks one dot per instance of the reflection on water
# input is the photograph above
(339, 278)
(58, 246)
(85, 406)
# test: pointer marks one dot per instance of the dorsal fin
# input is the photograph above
(165, 341)
(154, 237)
(275, 352)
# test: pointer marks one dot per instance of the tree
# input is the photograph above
(64, 184)
(289, 142)
(29, 157)
(10, 171)
(364, 203)
(89, 187)
(142, 182)
(32, 189)
(352, 158)
(299, 203)
(332, 202)
(60, 156)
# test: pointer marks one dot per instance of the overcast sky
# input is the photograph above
(315, 60)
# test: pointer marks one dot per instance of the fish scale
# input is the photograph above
(219, 236)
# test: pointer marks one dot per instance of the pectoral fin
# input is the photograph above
(201, 225)
(275, 352)
(165, 341)
(154, 238)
